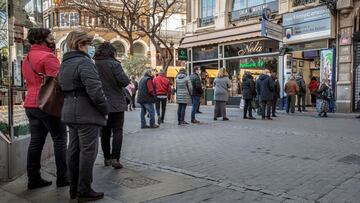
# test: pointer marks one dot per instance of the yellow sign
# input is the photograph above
(171, 71)
(212, 73)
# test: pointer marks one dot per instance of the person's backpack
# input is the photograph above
(328, 93)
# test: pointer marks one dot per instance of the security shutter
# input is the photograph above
(357, 76)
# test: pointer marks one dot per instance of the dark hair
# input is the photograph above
(38, 35)
(78, 37)
(196, 68)
(313, 78)
(105, 49)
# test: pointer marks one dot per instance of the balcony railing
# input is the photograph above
(171, 34)
(302, 2)
(254, 11)
(206, 21)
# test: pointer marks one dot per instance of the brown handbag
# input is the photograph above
(50, 98)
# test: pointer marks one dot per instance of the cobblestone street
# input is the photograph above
(294, 158)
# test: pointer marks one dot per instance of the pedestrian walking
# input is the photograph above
(114, 80)
(265, 88)
(276, 93)
(222, 83)
(322, 102)
(133, 96)
(248, 93)
(291, 89)
(301, 94)
(146, 99)
(85, 111)
(196, 92)
(41, 60)
(182, 95)
(163, 93)
(313, 87)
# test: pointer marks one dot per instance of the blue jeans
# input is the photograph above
(147, 107)
(181, 112)
(195, 100)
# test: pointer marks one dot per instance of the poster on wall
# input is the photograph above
(326, 65)
(17, 73)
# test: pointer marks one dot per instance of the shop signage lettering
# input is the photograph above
(251, 48)
(253, 64)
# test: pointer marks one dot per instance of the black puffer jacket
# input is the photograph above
(196, 84)
(248, 87)
(85, 101)
(114, 81)
(265, 88)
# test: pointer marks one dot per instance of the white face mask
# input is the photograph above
(91, 51)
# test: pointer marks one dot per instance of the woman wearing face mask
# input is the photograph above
(85, 112)
(41, 59)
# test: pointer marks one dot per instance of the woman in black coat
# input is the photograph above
(114, 81)
(248, 93)
(85, 111)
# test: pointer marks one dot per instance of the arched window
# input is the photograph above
(120, 49)
(139, 49)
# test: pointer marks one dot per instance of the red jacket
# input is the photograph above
(162, 85)
(44, 61)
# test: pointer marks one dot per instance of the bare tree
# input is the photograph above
(126, 17)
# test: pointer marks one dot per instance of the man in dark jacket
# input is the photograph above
(248, 93)
(276, 93)
(85, 110)
(163, 93)
(114, 81)
(301, 95)
(265, 88)
(196, 92)
(146, 98)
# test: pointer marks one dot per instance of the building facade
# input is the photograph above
(308, 37)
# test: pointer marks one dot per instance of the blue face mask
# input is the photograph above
(91, 51)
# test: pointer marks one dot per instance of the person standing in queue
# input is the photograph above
(114, 80)
(322, 102)
(313, 87)
(41, 59)
(196, 92)
(146, 98)
(301, 94)
(266, 90)
(163, 94)
(85, 111)
(248, 92)
(222, 83)
(291, 89)
(182, 95)
(276, 93)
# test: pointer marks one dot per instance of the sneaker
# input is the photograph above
(184, 123)
(116, 164)
(145, 127)
(225, 119)
(195, 121)
(107, 162)
(91, 196)
(38, 184)
(154, 126)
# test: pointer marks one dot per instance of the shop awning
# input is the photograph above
(227, 35)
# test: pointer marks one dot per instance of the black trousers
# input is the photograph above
(41, 124)
(301, 100)
(133, 100)
(161, 107)
(115, 126)
(82, 152)
(248, 107)
(266, 108)
(274, 104)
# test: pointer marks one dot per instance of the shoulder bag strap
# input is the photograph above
(41, 75)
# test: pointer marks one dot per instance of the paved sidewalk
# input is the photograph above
(294, 158)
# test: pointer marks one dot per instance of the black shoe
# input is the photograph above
(299, 110)
(159, 121)
(116, 164)
(184, 123)
(357, 116)
(91, 196)
(162, 121)
(245, 117)
(199, 112)
(74, 195)
(225, 119)
(145, 127)
(63, 183)
(195, 121)
(38, 184)
(252, 118)
(155, 126)
(215, 119)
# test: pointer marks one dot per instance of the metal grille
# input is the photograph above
(357, 76)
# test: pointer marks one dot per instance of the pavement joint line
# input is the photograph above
(336, 187)
(214, 181)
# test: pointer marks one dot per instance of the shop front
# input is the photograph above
(16, 18)
(309, 39)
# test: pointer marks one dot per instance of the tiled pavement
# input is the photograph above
(294, 158)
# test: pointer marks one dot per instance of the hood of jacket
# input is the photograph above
(263, 77)
(181, 76)
(74, 54)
